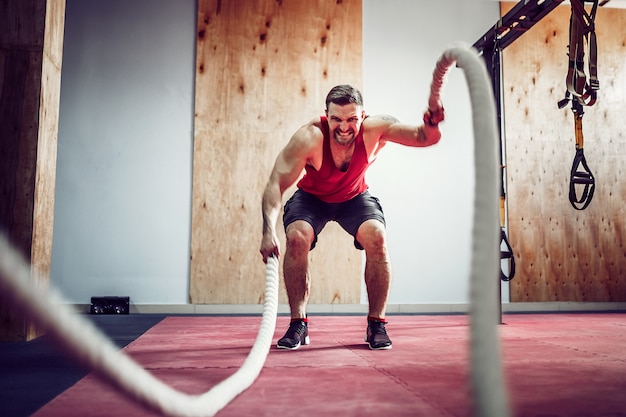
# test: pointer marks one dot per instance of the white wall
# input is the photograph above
(427, 193)
(123, 193)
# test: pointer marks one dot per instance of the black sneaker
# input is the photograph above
(376, 335)
(297, 334)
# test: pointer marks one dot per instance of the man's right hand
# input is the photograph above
(270, 246)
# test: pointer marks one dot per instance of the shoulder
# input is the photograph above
(379, 122)
(308, 138)
(309, 133)
(375, 126)
(381, 119)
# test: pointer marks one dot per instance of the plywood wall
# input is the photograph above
(263, 69)
(563, 254)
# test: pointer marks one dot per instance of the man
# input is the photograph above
(335, 150)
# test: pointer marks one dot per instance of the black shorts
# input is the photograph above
(349, 214)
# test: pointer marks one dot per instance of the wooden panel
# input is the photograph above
(45, 170)
(30, 78)
(263, 69)
(563, 254)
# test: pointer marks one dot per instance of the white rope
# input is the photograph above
(89, 346)
(490, 396)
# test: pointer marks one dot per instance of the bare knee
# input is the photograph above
(299, 237)
(372, 236)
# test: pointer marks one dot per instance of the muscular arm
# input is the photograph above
(287, 168)
(389, 129)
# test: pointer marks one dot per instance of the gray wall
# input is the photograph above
(122, 209)
(123, 193)
(427, 193)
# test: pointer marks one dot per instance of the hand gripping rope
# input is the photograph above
(90, 347)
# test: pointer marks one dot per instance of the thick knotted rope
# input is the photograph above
(83, 341)
(490, 397)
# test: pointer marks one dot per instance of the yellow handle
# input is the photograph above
(578, 128)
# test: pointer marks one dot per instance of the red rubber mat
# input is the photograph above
(554, 364)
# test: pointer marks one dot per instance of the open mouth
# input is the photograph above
(346, 135)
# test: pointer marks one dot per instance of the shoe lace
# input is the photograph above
(297, 327)
(378, 327)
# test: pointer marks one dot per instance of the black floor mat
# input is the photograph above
(33, 373)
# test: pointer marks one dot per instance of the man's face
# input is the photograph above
(344, 122)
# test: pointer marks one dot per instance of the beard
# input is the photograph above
(345, 139)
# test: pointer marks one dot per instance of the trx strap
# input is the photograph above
(582, 38)
(494, 63)
(583, 93)
(580, 173)
(507, 252)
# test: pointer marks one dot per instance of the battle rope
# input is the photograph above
(90, 347)
(486, 369)
(85, 342)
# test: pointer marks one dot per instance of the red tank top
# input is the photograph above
(330, 184)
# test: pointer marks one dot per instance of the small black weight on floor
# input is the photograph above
(109, 305)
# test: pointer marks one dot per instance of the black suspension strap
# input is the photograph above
(583, 39)
(580, 174)
(583, 91)
(506, 253)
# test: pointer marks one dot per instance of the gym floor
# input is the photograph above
(556, 364)
(33, 373)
